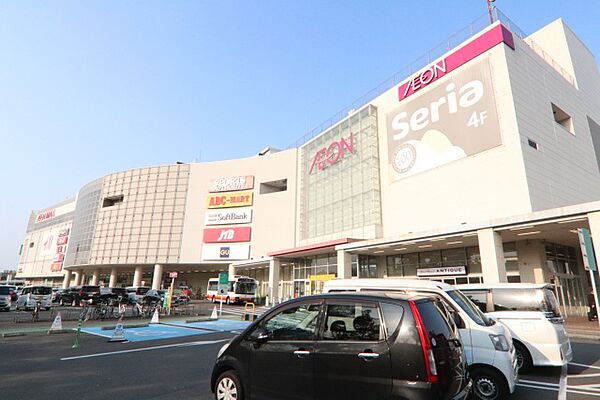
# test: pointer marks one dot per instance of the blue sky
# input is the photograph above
(92, 87)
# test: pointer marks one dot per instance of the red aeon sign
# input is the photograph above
(227, 235)
(332, 153)
(172, 274)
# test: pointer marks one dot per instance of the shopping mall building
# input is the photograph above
(478, 166)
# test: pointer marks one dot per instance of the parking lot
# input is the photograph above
(174, 360)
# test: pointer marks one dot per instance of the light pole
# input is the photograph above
(490, 10)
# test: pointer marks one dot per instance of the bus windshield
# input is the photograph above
(245, 287)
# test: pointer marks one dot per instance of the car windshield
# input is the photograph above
(541, 299)
(245, 287)
(41, 290)
(471, 309)
(4, 291)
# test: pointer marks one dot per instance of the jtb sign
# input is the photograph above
(227, 235)
(332, 153)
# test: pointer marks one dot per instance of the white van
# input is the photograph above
(30, 295)
(488, 345)
(531, 313)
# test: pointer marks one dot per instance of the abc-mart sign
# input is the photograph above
(228, 217)
(215, 252)
(227, 235)
(466, 53)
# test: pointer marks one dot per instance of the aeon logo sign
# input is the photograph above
(431, 74)
(332, 153)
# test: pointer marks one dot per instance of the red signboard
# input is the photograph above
(45, 215)
(172, 274)
(227, 235)
(469, 51)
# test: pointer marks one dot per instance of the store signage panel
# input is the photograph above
(232, 183)
(226, 200)
(332, 153)
(45, 215)
(228, 217)
(213, 252)
(227, 235)
(451, 120)
(469, 51)
(442, 271)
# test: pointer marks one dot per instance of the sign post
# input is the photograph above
(223, 289)
(172, 275)
(589, 261)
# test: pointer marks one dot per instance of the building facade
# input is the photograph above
(477, 167)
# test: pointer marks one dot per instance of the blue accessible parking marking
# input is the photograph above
(220, 325)
(151, 332)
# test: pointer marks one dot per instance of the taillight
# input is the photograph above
(82, 293)
(428, 356)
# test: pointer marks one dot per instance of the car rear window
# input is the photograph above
(41, 290)
(4, 291)
(438, 328)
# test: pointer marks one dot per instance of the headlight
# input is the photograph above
(500, 342)
(220, 353)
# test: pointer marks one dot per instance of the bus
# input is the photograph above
(242, 289)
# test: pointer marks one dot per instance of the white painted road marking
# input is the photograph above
(562, 387)
(166, 346)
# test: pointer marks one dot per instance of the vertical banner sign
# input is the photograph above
(589, 261)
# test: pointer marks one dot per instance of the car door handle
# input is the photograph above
(302, 353)
(368, 356)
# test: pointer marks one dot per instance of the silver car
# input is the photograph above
(5, 301)
(32, 294)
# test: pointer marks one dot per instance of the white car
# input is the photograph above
(32, 294)
(488, 345)
(531, 313)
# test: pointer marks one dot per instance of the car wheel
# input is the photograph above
(524, 362)
(228, 387)
(489, 384)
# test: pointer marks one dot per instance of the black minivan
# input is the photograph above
(345, 346)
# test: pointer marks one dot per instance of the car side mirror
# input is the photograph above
(260, 335)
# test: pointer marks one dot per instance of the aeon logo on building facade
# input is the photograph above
(332, 153)
(431, 74)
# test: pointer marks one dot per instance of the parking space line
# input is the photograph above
(166, 346)
(556, 389)
(539, 383)
(583, 376)
(562, 387)
(584, 365)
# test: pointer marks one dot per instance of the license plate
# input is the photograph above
(39, 297)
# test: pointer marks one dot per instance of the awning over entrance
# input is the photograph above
(312, 249)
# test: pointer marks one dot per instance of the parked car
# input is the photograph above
(5, 297)
(56, 294)
(76, 294)
(180, 298)
(115, 294)
(345, 346)
(136, 293)
(30, 295)
(531, 313)
(488, 345)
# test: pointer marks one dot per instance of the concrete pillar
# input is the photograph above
(137, 276)
(231, 271)
(492, 256)
(274, 266)
(594, 221)
(532, 261)
(113, 277)
(78, 276)
(95, 276)
(157, 276)
(66, 279)
(381, 267)
(344, 264)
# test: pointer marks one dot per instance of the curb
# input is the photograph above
(12, 334)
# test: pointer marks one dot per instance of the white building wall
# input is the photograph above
(564, 170)
(483, 186)
(273, 220)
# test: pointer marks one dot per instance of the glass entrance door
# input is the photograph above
(570, 294)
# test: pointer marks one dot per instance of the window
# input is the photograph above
(525, 300)
(562, 118)
(31, 245)
(393, 315)
(437, 326)
(112, 200)
(352, 321)
(478, 298)
(294, 323)
(532, 144)
(273, 186)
